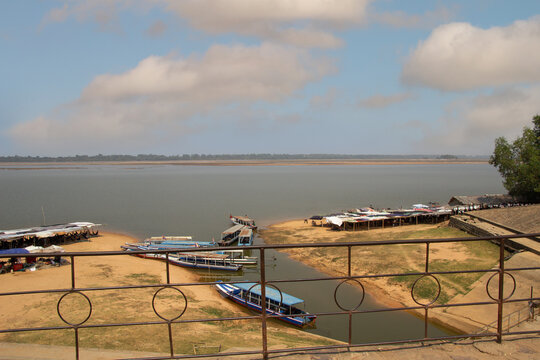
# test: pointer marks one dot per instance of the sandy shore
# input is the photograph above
(131, 305)
(396, 291)
(292, 162)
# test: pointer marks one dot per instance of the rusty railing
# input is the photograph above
(499, 299)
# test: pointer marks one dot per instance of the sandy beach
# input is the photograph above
(131, 306)
(292, 162)
(395, 291)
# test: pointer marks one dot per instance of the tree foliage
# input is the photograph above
(519, 163)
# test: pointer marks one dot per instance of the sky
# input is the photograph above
(266, 76)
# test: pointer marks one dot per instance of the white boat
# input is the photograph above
(244, 220)
(245, 238)
(230, 235)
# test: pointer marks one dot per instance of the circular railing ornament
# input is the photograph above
(496, 298)
(154, 303)
(438, 290)
(361, 299)
(60, 313)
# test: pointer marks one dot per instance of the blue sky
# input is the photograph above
(266, 76)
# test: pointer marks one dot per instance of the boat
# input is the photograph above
(243, 220)
(190, 260)
(230, 235)
(163, 238)
(238, 257)
(245, 238)
(249, 295)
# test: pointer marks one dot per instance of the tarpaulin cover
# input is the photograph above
(14, 251)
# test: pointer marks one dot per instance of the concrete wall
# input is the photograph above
(468, 225)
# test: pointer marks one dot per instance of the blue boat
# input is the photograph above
(189, 260)
(249, 295)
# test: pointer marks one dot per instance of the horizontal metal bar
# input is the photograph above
(282, 246)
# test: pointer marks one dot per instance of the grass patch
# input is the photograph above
(144, 279)
(388, 259)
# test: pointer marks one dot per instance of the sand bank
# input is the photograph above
(396, 291)
(131, 306)
(292, 162)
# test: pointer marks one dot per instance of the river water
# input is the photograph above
(154, 200)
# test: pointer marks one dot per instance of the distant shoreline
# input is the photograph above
(292, 162)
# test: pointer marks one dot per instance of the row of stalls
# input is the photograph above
(47, 235)
(30, 258)
(368, 218)
(33, 248)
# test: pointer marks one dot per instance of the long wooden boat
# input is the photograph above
(238, 257)
(230, 235)
(245, 238)
(188, 260)
(243, 220)
(166, 242)
(249, 295)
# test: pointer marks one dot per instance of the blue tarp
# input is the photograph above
(14, 251)
(271, 293)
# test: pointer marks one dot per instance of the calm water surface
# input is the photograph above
(193, 200)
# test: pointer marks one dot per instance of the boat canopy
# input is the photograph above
(246, 232)
(233, 229)
(271, 293)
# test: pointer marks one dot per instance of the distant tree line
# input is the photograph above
(152, 157)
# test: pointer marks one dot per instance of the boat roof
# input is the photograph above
(271, 293)
(246, 232)
(243, 218)
(233, 229)
(169, 238)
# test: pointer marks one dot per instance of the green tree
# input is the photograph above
(519, 163)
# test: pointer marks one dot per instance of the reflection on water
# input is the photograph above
(183, 200)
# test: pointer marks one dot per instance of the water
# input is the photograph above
(193, 200)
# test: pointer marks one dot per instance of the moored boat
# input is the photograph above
(245, 238)
(230, 235)
(243, 220)
(190, 260)
(249, 295)
(238, 257)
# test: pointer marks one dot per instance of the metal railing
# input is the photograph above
(499, 299)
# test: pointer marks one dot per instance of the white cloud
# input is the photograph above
(381, 101)
(232, 15)
(304, 23)
(459, 56)
(472, 125)
(170, 95)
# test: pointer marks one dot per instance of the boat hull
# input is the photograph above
(183, 262)
(228, 292)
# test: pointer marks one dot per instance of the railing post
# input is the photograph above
(72, 272)
(349, 274)
(426, 316)
(263, 305)
(501, 292)
(72, 258)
